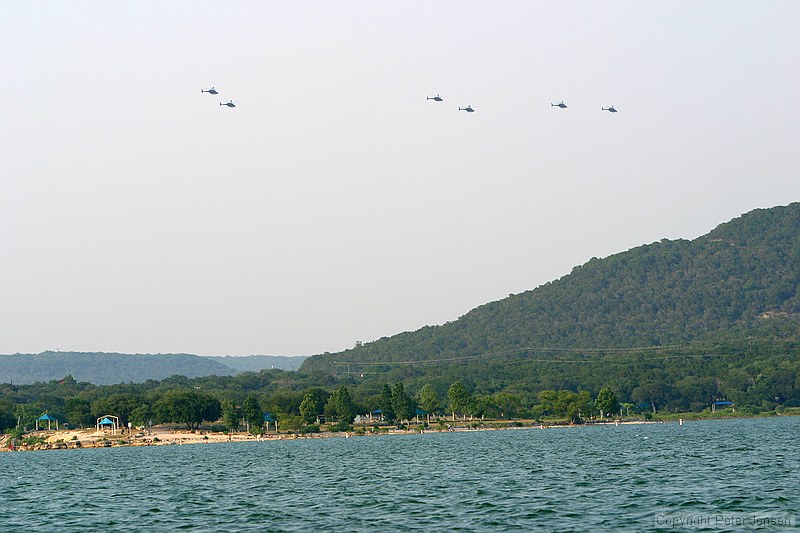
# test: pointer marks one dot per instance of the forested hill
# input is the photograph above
(110, 368)
(254, 363)
(740, 281)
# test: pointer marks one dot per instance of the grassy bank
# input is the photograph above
(725, 414)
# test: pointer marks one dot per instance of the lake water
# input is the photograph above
(716, 475)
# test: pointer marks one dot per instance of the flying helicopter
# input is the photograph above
(561, 104)
(609, 109)
(209, 91)
(436, 98)
(229, 104)
(468, 109)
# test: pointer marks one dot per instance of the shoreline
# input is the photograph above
(172, 436)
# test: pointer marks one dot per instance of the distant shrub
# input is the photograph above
(32, 440)
(341, 426)
(749, 409)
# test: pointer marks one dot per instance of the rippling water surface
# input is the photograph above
(561, 479)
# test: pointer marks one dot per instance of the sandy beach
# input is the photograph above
(158, 436)
(165, 436)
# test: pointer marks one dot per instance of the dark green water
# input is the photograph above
(627, 478)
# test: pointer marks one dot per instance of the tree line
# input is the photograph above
(757, 376)
(293, 400)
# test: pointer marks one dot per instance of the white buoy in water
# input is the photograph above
(680, 421)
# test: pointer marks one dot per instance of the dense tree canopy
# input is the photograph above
(386, 405)
(188, 407)
(231, 414)
(607, 402)
(340, 405)
(403, 406)
(252, 413)
(460, 399)
(428, 399)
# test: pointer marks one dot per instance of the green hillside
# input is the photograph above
(105, 368)
(109, 368)
(731, 294)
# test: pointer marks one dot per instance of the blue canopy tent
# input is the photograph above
(49, 418)
(269, 418)
(722, 405)
(108, 422)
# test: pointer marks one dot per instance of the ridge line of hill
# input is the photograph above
(738, 281)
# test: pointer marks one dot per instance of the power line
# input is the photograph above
(522, 351)
(616, 361)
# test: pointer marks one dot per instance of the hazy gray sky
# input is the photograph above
(335, 203)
